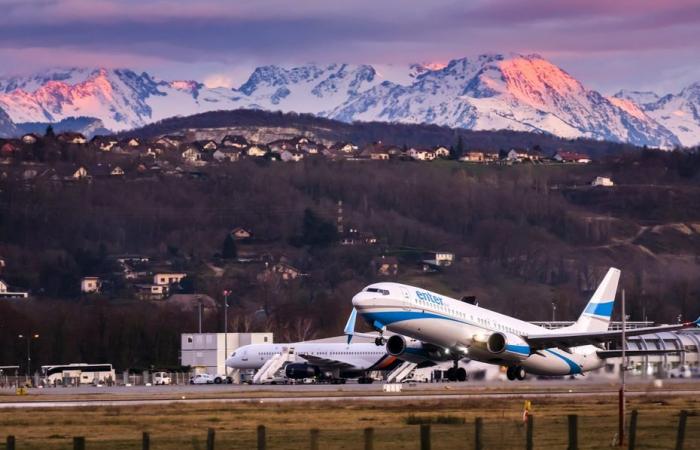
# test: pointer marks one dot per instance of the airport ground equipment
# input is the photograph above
(401, 372)
(273, 365)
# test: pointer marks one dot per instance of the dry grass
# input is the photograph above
(182, 426)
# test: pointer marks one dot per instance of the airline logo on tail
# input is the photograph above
(600, 309)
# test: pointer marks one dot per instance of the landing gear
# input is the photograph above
(456, 373)
(365, 380)
(379, 341)
(515, 373)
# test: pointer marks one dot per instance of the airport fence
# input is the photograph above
(427, 433)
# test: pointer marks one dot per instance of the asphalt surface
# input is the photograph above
(159, 395)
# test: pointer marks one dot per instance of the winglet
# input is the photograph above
(697, 322)
(350, 326)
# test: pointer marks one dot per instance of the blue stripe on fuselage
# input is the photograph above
(600, 309)
(522, 349)
(388, 317)
(573, 367)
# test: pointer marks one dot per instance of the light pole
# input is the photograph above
(227, 292)
(554, 311)
(29, 338)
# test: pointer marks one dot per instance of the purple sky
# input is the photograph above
(608, 44)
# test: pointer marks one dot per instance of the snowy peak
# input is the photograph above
(486, 92)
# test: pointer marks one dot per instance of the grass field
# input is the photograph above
(181, 426)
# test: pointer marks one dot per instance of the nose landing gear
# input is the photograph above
(515, 373)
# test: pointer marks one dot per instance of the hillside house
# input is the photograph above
(291, 156)
(2, 263)
(280, 270)
(169, 141)
(435, 260)
(344, 147)
(421, 154)
(72, 138)
(90, 285)
(30, 138)
(256, 151)
(133, 142)
(151, 291)
(8, 150)
(192, 155)
(442, 152)
(241, 234)
(228, 154)
(475, 157)
(387, 266)
(168, 278)
(571, 157)
(209, 146)
(602, 182)
(234, 141)
(7, 293)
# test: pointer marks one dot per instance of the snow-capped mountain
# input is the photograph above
(489, 92)
(679, 113)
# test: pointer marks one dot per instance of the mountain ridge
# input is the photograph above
(486, 92)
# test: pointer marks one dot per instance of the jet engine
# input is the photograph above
(508, 346)
(413, 350)
(298, 371)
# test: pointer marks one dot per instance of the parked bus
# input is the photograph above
(78, 374)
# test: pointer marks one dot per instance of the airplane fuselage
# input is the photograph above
(464, 329)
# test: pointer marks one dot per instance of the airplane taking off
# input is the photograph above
(324, 360)
(464, 330)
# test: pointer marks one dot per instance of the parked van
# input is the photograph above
(161, 378)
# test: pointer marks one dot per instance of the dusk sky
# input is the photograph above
(607, 44)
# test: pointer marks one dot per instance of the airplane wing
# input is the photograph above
(603, 354)
(325, 363)
(567, 340)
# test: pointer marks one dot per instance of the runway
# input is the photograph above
(222, 394)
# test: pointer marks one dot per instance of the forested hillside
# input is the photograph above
(524, 237)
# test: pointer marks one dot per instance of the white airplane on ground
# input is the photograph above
(323, 360)
(465, 330)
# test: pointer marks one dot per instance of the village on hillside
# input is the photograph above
(71, 156)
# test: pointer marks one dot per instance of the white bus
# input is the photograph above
(78, 374)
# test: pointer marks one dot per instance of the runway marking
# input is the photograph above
(351, 398)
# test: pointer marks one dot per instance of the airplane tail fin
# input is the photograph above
(596, 316)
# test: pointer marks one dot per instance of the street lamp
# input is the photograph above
(29, 338)
(554, 312)
(227, 292)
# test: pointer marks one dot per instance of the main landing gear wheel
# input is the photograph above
(461, 374)
(515, 373)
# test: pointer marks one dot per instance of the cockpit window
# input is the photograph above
(379, 291)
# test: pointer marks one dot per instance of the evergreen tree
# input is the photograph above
(49, 132)
(457, 151)
(317, 231)
(229, 250)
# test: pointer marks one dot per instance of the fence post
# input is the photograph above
(369, 438)
(425, 436)
(261, 437)
(145, 441)
(313, 439)
(211, 435)
(10, 443)
(573, 432)
(632, 433)
(478, 429)
(79, 443)
(528, 435)
(681, 429)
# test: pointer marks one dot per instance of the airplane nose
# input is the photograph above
(359, 300)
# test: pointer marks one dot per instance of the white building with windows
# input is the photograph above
(206, 352)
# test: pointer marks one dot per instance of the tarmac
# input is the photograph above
(85, 396)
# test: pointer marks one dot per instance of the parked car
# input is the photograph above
(680, 372)
(202, 378)
(218, 379)
(161, 378)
